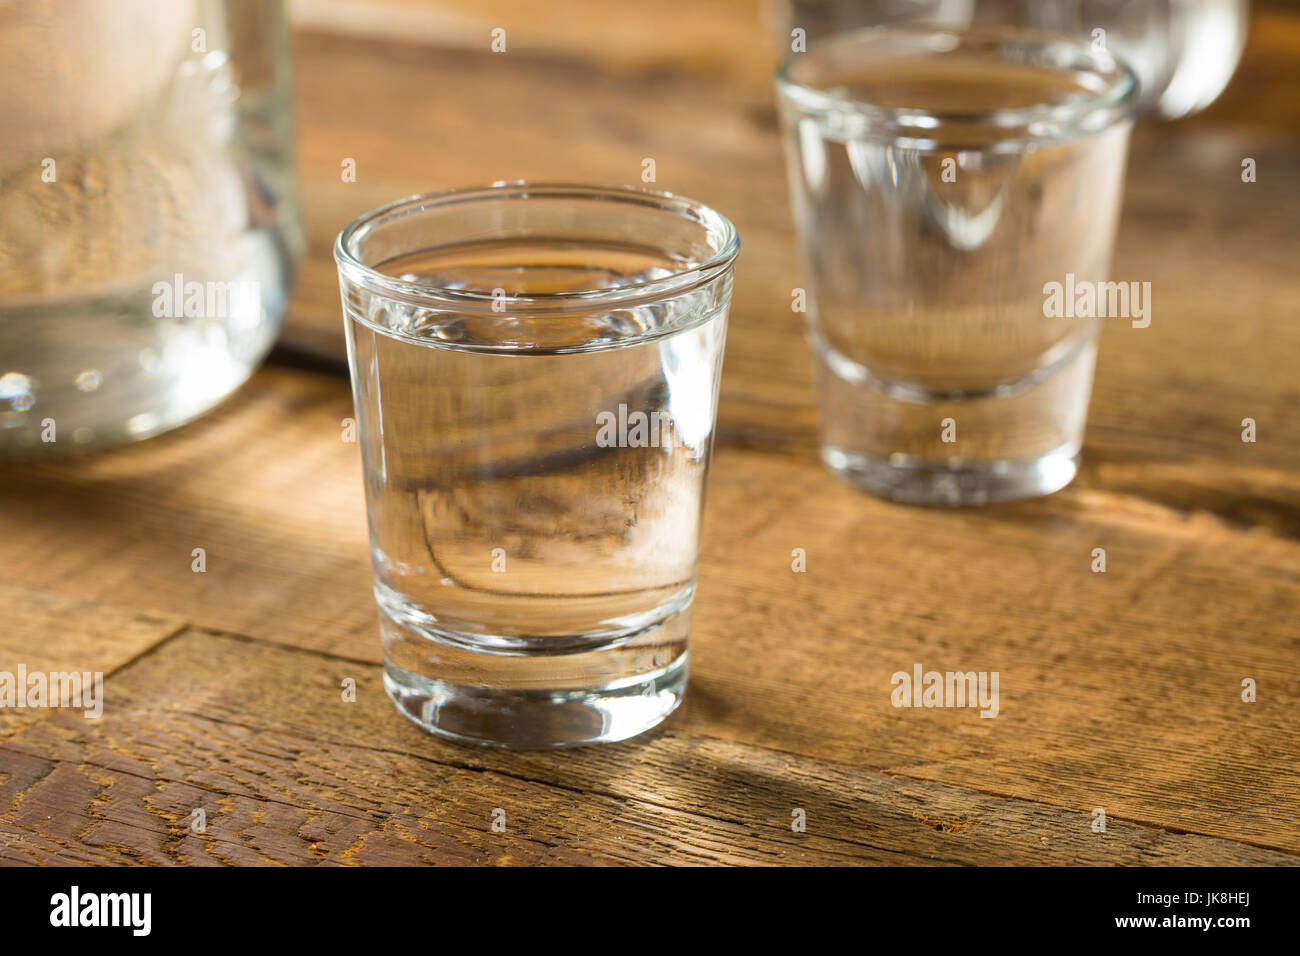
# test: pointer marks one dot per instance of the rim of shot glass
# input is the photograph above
(1043, 123)
(724, 239)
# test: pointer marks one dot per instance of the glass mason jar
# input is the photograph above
(148, 217)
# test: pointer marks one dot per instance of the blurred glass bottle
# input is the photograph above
(1184, 52)
(148, 212)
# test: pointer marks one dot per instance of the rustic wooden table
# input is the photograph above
(1120, 690)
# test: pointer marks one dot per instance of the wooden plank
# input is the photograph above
(1122, 688)
(287, 772)
(1118, 678)
(47, 633)
(731, 40)
(265, 486)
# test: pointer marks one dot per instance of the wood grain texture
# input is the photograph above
(286, 771)
(46, 633)
(265, 485)
(1119, 690)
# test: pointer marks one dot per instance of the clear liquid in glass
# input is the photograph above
(927, 262)
(514, 546)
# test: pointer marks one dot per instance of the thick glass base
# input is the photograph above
(536, 719)
(953, 482)
(557, 691)
(1012, 440)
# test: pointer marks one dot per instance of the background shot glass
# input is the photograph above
(939, 181)
(535, 370)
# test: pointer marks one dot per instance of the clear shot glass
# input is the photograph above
(535, 373)
(941, 181)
